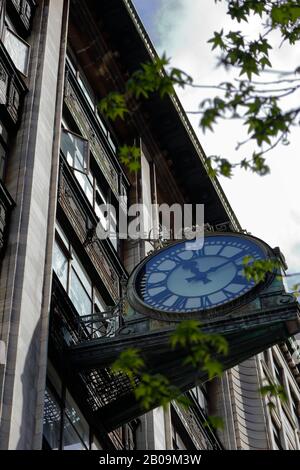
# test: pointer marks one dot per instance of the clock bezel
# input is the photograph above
(140, 306)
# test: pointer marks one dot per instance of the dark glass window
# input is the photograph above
(52, 420)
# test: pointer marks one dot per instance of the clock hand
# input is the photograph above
(215, 268)
(199, 276)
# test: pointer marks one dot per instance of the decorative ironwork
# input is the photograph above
(104, 324)
(73, 103)
(12, 89)
(23, 11)
(194, 421)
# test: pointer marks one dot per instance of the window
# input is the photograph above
(2, 161)
(296, 409)
(76, 429)
(2, 15)
(87, 92)
(17, 49)
(266, 356)
(52, 419)
(60, 264)
(65, 427)
(278, 372)
(73, 147)
(178, 443)
(74, 278)
(201, 397)
(276, 436)
(76, 150)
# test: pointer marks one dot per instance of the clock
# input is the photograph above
(179, 282)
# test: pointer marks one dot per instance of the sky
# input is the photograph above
(268, 207)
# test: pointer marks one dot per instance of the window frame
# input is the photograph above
(6, 28)
(66, 130)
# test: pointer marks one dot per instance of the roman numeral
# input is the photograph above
(179, 304)
(240, 280)
(162, 296)
(227, 294)
(153, 285)
(206, 302)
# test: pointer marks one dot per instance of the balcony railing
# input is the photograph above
(12, 90)
(88, 132)
(78, 214)
(6, 205)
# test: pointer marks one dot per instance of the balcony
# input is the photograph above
(82, 217)
(12, 90)
(92, 389)
(21, 11)
(6, 205)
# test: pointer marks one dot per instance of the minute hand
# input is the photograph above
(212, 270)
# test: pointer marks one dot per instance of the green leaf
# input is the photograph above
(217, 40)
(129, 363)
(130, 156)
(114, 106)
(215, 422)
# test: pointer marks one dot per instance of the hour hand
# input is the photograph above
(199, 277)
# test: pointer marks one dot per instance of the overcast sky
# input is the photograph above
(268, 207)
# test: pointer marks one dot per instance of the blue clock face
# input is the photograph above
(178, 279)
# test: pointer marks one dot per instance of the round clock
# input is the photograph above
(179, 282)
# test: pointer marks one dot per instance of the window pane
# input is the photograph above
(86, 185)
(17, 49)
(62, 235)
(60, 264)
(71, 439)
(52, 420)
(76, 150)
(2, 162)
(79, 297)
(87, 93)
(77, 419)
(82, 274)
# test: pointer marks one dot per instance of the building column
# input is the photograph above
(26, 272)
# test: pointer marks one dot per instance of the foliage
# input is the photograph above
(259, 104)
(149, 389)
(258, 269)
(214, 422)
(274, 390)
(296, 290)
(203, 347)
(154, 389)
(130, 156)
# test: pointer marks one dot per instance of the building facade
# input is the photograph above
(59, 283)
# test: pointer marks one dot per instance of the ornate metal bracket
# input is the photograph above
(104, 324)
